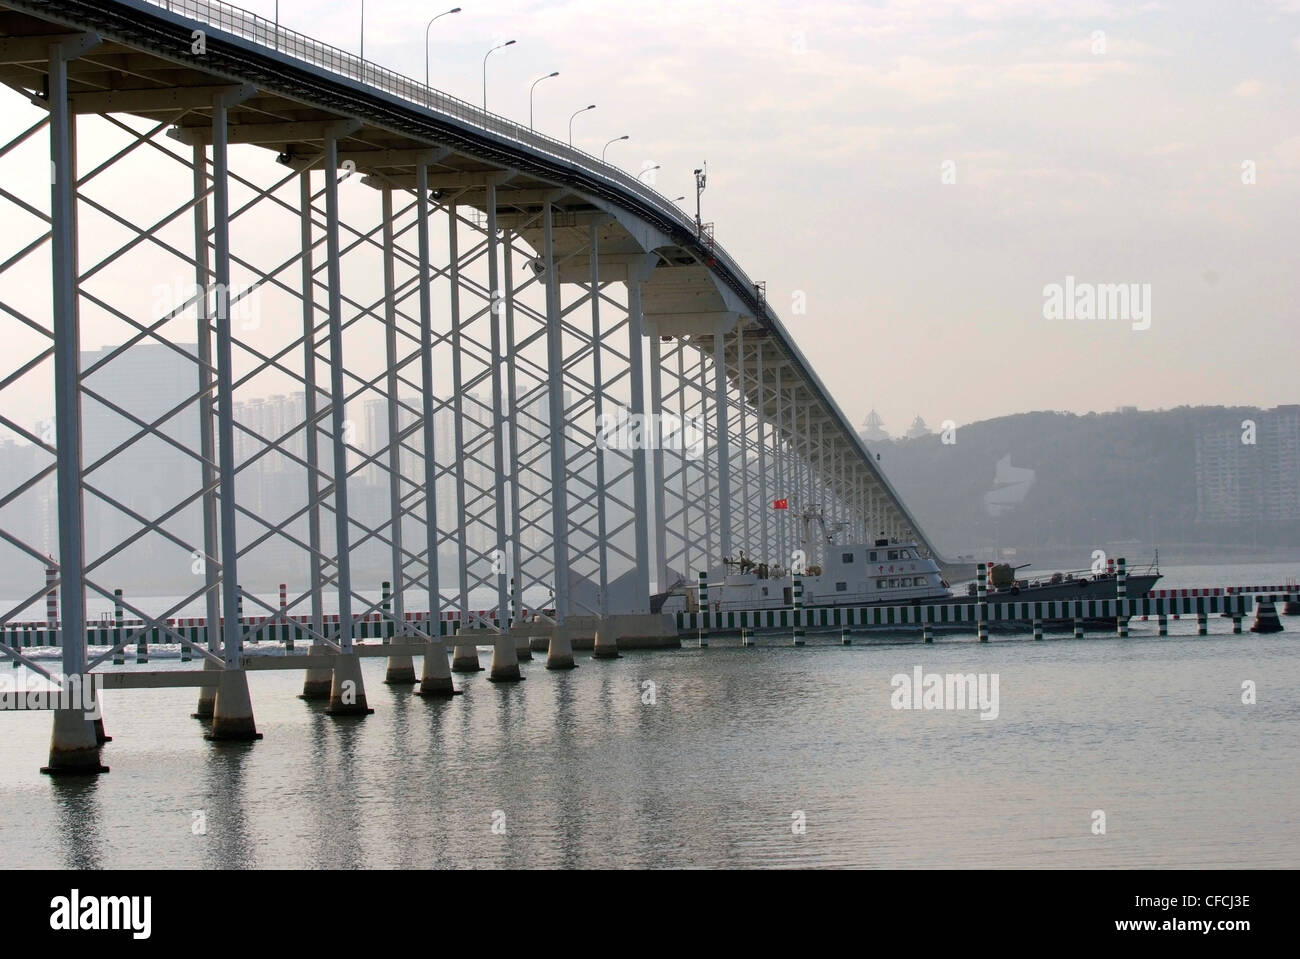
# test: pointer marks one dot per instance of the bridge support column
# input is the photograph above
(724, 443)
(499, 468)
(316, 683)
(232, 712)
(555, 396)
(347, 689)
(401, 669)
(435, 678)
(662, 581)
(636, 370)
(74, 745)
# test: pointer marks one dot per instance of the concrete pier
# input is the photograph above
(316, 684)
(560, 653)
(505, 660)
(207, 696)
(400, 672)
(435, 678)
(74, 747)
(348, 691)
(605, 644)
(464, 655)
(232, 713)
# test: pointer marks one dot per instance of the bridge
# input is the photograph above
(623, 404)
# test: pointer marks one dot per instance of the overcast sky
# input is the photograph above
(1102, 141)
(827, 126)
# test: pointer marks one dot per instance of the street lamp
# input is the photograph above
(649, 169)
(611, 143)
(426, 41)
(575, 113)
(530, 95)
(701, 177)
(485, 60)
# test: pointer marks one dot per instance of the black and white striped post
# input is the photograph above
(119, 657)
(1121, 594)
(927, 631)
(1236, 624)
(1202, 624)
(704, 609)
(797, 593)
(1038, 629)
(981, 596)
(1163, 623)
(386, 604)
(1078, 628)
(1266, 618)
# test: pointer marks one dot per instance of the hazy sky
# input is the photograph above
(1101, 141)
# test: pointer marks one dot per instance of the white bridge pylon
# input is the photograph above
(466, 308)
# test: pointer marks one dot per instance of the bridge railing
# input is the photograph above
(267, 33)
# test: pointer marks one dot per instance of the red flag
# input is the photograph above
(780, 504)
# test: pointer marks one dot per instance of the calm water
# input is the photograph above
(583, 773)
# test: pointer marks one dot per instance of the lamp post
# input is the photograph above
(575, 113)
(701, 177)
(426, 41)
(499, 46)
(611, 143)
(649, 169)
(530, 95)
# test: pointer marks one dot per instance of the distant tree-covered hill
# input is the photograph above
(1096, 479)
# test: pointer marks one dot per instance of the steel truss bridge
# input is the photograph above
(410, 255)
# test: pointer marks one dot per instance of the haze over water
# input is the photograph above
(1151, 731)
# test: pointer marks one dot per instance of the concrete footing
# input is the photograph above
(232, 712)
(435, 678)
(316, 684)
(207, 695)
(464, 657)
(505, 660)
(634, 631)
(559, 655)
(74, 746)
(347, 690)
(400, 672)
(605, 643)
(523, 646)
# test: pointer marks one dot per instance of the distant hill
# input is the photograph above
(1061, 483)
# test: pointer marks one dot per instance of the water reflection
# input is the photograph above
(78, 820)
